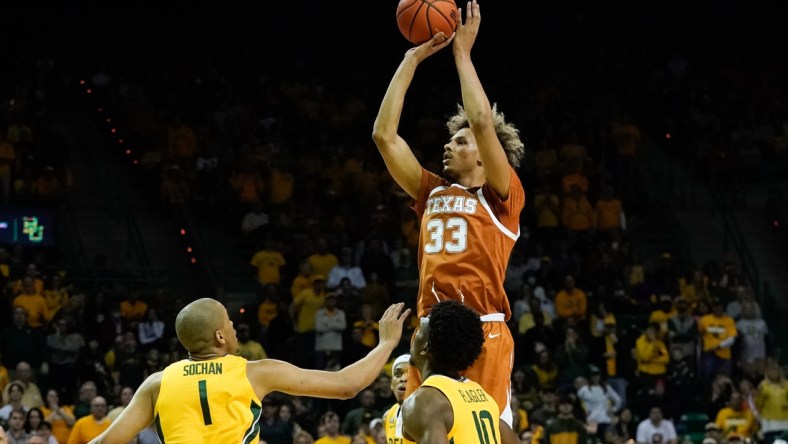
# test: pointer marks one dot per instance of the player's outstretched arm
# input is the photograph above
(270, 375)
(427, 417)
(136, 416)
(477, 106)
(399, 159)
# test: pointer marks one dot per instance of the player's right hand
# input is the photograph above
(390, 325)
(467, 31)
(430, 47)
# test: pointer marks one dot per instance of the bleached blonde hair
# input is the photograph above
(507, 133)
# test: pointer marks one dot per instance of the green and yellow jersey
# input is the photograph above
(207, 401)
(392, 424)
(476, 414)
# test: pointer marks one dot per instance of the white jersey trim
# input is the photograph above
(398, 425)
(507, 415)
(493, 317)
(495, 220)
(437, 189)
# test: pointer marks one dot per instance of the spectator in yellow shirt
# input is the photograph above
(609, 212)
(303, 279)
(665, 310)
(369, 326)
(599, 319)
(282, 182)
(304, 309)
(90, 426)
(573, 151)
(547, 207)
(248, 348)
(322, 260)
(56, 296)
(734, 419)
(570, 302)
(329, 424)
(32, 302)
(574, 177)
(268, 262)
(266, 310)
(60, 417)
(4, 378)
(718, 334)
(652, 357)
(771, 400)
(5, 270)
(696, 288)
(247, 185)
(520, 416)
(32, 272)
(132, 309)
(577, 215)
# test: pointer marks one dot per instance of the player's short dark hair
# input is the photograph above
(455, 337)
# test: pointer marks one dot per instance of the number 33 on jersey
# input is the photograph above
(466, 238)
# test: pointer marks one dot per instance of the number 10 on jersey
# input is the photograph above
(483, 420)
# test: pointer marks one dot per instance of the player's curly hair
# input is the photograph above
(455, 337)
(508, 134)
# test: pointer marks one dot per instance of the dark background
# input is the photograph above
(364, 33)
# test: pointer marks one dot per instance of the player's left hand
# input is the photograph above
(390, 324)
(467, 30)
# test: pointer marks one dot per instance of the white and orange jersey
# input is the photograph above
(466, 238)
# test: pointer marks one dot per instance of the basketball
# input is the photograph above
(420, 20)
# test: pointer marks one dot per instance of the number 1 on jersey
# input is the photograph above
(206, 410)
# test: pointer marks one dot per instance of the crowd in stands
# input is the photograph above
(34, 153)
(700, 346)
(610, 346)
(725, 135)
(27, 171)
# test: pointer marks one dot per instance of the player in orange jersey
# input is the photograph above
(470, 218)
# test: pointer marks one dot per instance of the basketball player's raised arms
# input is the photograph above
(477, 105)
(400, 160)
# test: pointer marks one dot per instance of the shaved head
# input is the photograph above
(197, 323)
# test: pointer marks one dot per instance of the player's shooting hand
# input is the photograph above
(390, 325)
(430, 47)
(467, 31)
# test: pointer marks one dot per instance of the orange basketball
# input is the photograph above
(420, 20)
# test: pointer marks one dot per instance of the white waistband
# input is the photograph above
(493, 317)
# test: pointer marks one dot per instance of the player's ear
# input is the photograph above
(219, 336)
